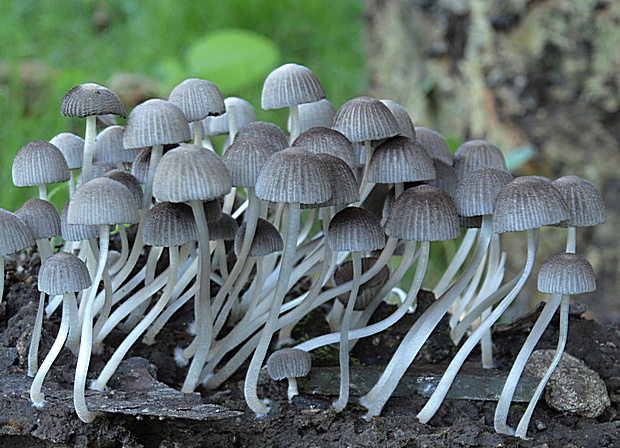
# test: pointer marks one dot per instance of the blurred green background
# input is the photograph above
(142, 49)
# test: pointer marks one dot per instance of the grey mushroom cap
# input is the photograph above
(317, 113)
(224, 228)
(39, 162)
(583, 201)
(476, 192)
(267, 239)
(364, 118)
(109, 147)
(343, 184)
(476, 154)
(435, 144)
(290, 85)
(41, 218)
(402, 118)
(140, 165)
(63, 273)
(130, 182)
(155, 122)
(445, 177)
(14, 235)
(245, 159)
(85, 100)
(288, 363)
(400, 159)
(320, 139)
(566, 273)
(264, 130)
(355, 229)
(243, 112)
(72, 148)
(197, 98)
(367, 290)
(75, 232)
(169, 224)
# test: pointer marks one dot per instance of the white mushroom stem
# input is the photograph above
(295, 125)
(456, 263)
(89, 148)
(292, 388)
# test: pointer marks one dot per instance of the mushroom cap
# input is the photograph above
(41, 218)
(566, 273)
(109, 147)
(245, 159)
(423, 213)
(583, 201)
(264, 130)
(140, 165)
(190, 173)
(288, 363)
(102, 201)
(242, 110)
(155, 122)
(367, 290)
(294, 176)
(169, 224)
(85, 100)
(343, 184)
(267, 239)
(365, 118)
(476, 154)
(39, 162)
(130, 182)
(72, 148)
(100, 169)
(75, 232)
(528, 202)
(224, 229)
(476, 191)
(197, 98)
(435, 144)
(63, 273)
(355, 229)
(320, 139)
(400, 159)
(14, 235)
(290, 85)
(445, 177)
(402, 118)
(317, 113)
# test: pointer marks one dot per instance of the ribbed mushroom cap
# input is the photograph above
(365, 118)
(317, 113)
(99, 169)
(224, 228)
(320, 139)
(40, 217)
(109, 147)
(566, 273)
(14, 235)
(368, 290)
(476, 154)
(476, 192)
(155, 122)
(140, 165)
(355, 229)
(213, 209)
(190, 173)
(245, 158)
(72, 148)
(400, 159)
(243, 112)
(423, 213)
(267, 239)
(63, 273)
(264, 130)
(75, 232)
(85, 100)
(197, 98)
(102, 201)
(583, 201)
(445, 177)
(130, 182)
(39, 162)
(294, 176)
(290, 85)
(343, 184)
(288, 363)
(435, 144)
(169, 224)
(402, 118)
(528, 202)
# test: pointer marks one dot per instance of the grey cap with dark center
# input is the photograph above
(583, 201)
(63, 273)
(37, 163)
(40, 217)
(367, 290)
(476, 192)
(326, 140)
(224, 228)
(267, 239)
(169, 224)
(245, 159)
(526, 203)
(264, 130)
(476, 154)
(85, 100)
(402, 118)
(197, 98)
(288, 363)
(365, 118)
(155, 122)
(109, 147)
(423, 213)
(290, 85)
(566, 273)
(130, 182)
(400, 159)
(317, 113)
(435, 144)
(14, 235)
(72, 147)
(355, 229)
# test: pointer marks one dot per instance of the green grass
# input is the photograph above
(56, 44)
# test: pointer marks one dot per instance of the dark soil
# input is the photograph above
(142, 411)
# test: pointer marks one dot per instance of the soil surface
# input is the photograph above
(143, 409)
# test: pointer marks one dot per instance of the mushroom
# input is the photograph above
(316, 113)
(14, 236)
(289, 363)
(39, 163)
(72, 147)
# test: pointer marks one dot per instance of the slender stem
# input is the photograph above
(197, 126)
(35, 338)
(231, 117)
(295, 125)
(89, 148)
(571, 240)
(124, 250)
(457, 262)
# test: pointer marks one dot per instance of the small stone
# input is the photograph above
(573, 387)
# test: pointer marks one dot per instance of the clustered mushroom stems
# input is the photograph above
(292, 215)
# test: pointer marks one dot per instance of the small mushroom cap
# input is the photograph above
(242, 110)
(63, 273)
(288, 363)
(355, 229)
(75, 232)
(245, 159)
(264, 130)
(267, 239)
(109, 147)
(566, 273)
(140, 165)
(102, 201)
(14, 235)
(329, 141)
(435, 144)
(365, 118)
(197, 98)
(85, 100)
(290, 85)
(224, 228)
(40, 217)
(72, 147)
(402, 118)
(317, 113)
(37, 163)
(476, 192)
(445, 177)
(476, 154)
(343, 184)
(368, 290)
(583, 201)
(155, 122)
(130, 182)
(400, 159)
(169, 224)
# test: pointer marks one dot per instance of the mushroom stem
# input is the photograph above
(456, 263)
(35, 338)
(89, 148)
(295, 125)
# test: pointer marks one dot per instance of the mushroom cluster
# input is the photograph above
(330, 205)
